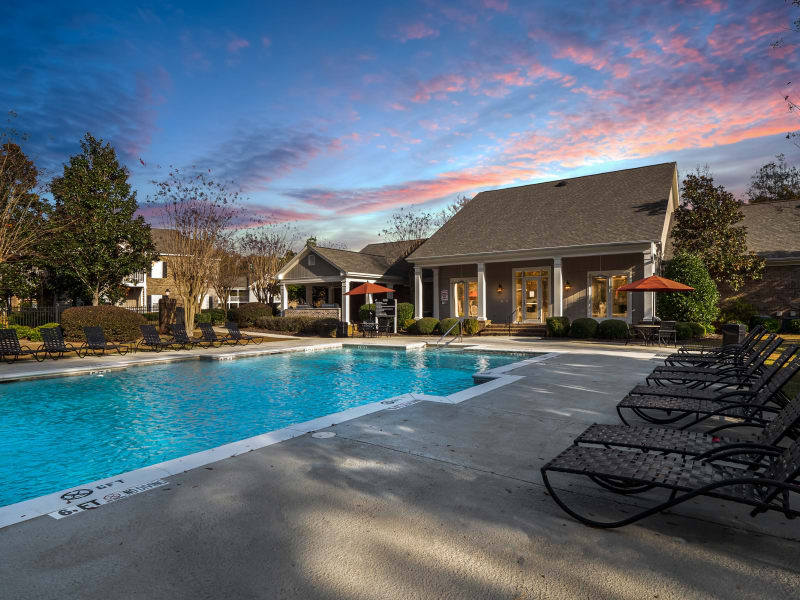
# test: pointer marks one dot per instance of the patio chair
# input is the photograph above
(53, 344)
(716, 364)
(368, 329)
(96, 343)
(678, 403)
(785, 425)
(152, 340)
(703, 377)
(750, 340)
(635, 333)
(734, 353)
(210, 336)
(234, 333)
(181, 337)
(10, 348)
(667, 330)
(765, 485)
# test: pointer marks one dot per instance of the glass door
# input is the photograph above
(533, 294)
(465, 299)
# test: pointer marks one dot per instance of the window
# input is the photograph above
(152, 302)
(239, 296)
(158, 269)
(605, 299)
(312, 260)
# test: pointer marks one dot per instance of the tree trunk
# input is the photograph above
(96, 297)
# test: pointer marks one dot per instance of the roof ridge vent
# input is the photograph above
(561, 183)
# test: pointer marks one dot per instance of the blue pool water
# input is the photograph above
(62, 432)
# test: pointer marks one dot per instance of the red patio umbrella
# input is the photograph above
(368, 288)
(654, 283)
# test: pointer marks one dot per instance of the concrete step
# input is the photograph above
(499, 329)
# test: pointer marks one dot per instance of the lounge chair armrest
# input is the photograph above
(734, 449)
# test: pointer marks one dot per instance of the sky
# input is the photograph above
(332, 115)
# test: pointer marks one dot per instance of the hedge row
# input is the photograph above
(614, 329)
(215, 316)
(307, 325)
(31, 333)
(429, 326)
(247, 314)
(118, 323)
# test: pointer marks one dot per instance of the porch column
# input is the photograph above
(330, 295)
(417, 292)
(309, 294)
(649, 269)
(558, 288)
(481, 291)
(345, 301)
(436, 303)
(284, 297)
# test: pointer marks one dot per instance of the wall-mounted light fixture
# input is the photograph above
(567, 286)
(499, 288)
(166, 292)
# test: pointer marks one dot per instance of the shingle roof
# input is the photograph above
(773, 228)
(393, 250)
(620, 206)
(360, 262)
(160, 238)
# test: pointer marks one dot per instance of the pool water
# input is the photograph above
(66, 431)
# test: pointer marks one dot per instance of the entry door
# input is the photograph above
(532, 300)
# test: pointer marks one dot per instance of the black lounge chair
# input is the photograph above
(180, 336)
(726, 374)
(751, 404)
(152, 340)
(785, 425)
(97, 344)
(234, 333)
(734, 353)
(210, 336)
(53, 344)
(766, 485)
(10, 348)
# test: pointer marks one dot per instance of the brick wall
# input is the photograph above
(778, 290)
(313, 313)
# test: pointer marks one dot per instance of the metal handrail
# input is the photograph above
(509, 319)
(460, 323)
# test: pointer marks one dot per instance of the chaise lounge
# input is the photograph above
(53, 344)
(10, 348)
(97, 344)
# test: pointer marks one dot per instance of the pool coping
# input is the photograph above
(114, 488)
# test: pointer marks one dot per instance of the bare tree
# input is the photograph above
(197, 211)
(266, 249)
(449, 211)
(407, 225)
(229, 271)
(23, 215)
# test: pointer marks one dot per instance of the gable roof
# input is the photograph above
(773, 228)
(360, 262)
(160, 238)
(621, 206)
(393, 250)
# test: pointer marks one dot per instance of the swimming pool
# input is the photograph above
(61, 432)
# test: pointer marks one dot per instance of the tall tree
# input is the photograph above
(23, 215)
(449, 211)
(706, 225)
(197, 211)
(19, 279)
(266, 249)
(229, 271)
(101, 240)
(774, 182)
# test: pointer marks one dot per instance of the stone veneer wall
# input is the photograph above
(313, 313)
(778, 290)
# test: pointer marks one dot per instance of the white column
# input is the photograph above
(436, 303)
(309, 295)
(345, 301)
(558, 288)
(481, 291)
(649, 269)
(417, 292)
(284, 297)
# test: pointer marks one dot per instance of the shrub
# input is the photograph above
(366, 313)
(472, 326)
(35, 335)
(26, 333)
(247, 314)
(684, 330)
(699, 305)
(793, 326)
(737, 310)
(321, 327)
(698, 329)
(307, 325)
(557, 326)
(151, 316)
(445, 325)
(425, 326)
(407, 323)
(117, 323)
(583, 328)
(217, 315)
(202, 318)
(405, 313)
(613, 329)
(770, 324)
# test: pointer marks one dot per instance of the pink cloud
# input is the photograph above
(439, 87)
(237, 43)
(416, 31)
(498, 5)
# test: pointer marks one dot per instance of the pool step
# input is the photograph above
(500, 329)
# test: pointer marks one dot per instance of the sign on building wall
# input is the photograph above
(445, 296)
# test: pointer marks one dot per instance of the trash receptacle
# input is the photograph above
(343, 330)
(733, 333)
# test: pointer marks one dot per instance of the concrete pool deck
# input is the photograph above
(430, 501)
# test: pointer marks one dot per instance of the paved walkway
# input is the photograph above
(429, 501)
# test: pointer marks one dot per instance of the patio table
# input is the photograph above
(649, 333)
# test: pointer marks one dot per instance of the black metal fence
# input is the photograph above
(36, 317)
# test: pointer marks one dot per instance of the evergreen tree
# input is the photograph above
(706, 225)
(101, 241)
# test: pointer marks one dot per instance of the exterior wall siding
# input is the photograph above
(575, 270)
(321, 268)
(777, 291)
